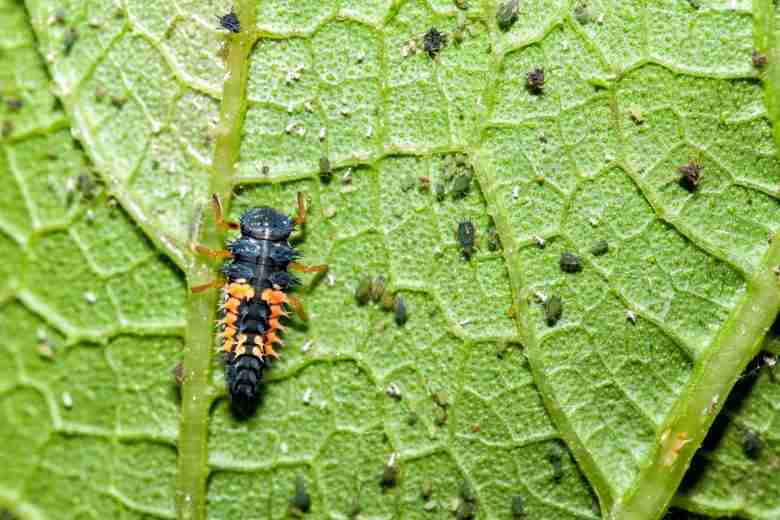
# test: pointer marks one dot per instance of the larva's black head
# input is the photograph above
(243, 381)
(266, 224)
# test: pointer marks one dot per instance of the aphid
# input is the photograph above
(493, 240)
(466, 238)
(378, 288)
(691, 175)
(425, 183)
(555, 457)
(582, 14)
(399, 310)
(467, 508)
(363, 291)
(600, 248)
(388, 301)
(461, 4)
(426, 490)
(14, 104)
(86, 185)
(178, 374)
(570, 263)
(326, 172)
(751, 444)
(71, 36)
(255, 294)
(467, 491)
(393, 391)
(433, 41)
(301, 501)
(553, 310)
(517, 506)
(118, 101)
(230, 22)
(440, 190)
(58, 17)
(390, 473)
(8, 128)
(636, 115)
(461, 185)
(534, 81)
(506, 15)
(759, 59)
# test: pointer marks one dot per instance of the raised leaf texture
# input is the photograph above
(633, 91)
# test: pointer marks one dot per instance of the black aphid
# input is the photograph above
(400, 310)
(759, 59)
(751, 444)
(466, 238)
(230, 22)
(570, 263)
(433, 42)
(691, 175)
(534, 81)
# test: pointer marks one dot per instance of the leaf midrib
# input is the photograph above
(197, 392)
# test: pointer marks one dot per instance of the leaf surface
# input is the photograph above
(169, 108)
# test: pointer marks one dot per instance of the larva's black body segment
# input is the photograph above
(254, 295)
(243, 377)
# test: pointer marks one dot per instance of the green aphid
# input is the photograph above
(506, 15)
(326, 172)
(301, 501)
(517, 507)
(467, 491)
(390, 474)
(363, 291)
(493, 240)
(582, 14)
(388, 301)
(440, 190)
(570, 263)
(553, 310)
(71, 36)
(461, 185)
(600, 248)
(555, 457)
(378, 288)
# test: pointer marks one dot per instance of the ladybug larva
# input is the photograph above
(255, 294)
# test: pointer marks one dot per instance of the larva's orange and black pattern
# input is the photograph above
(254, 299)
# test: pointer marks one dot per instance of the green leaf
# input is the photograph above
(475, 399)
(735, 472)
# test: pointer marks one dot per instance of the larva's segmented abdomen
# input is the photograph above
(253, 300)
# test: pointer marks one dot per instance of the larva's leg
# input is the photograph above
(206, 286)
(219, 217)
(296, 305)
(295, 266)
(300, 213)
(203, 250)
